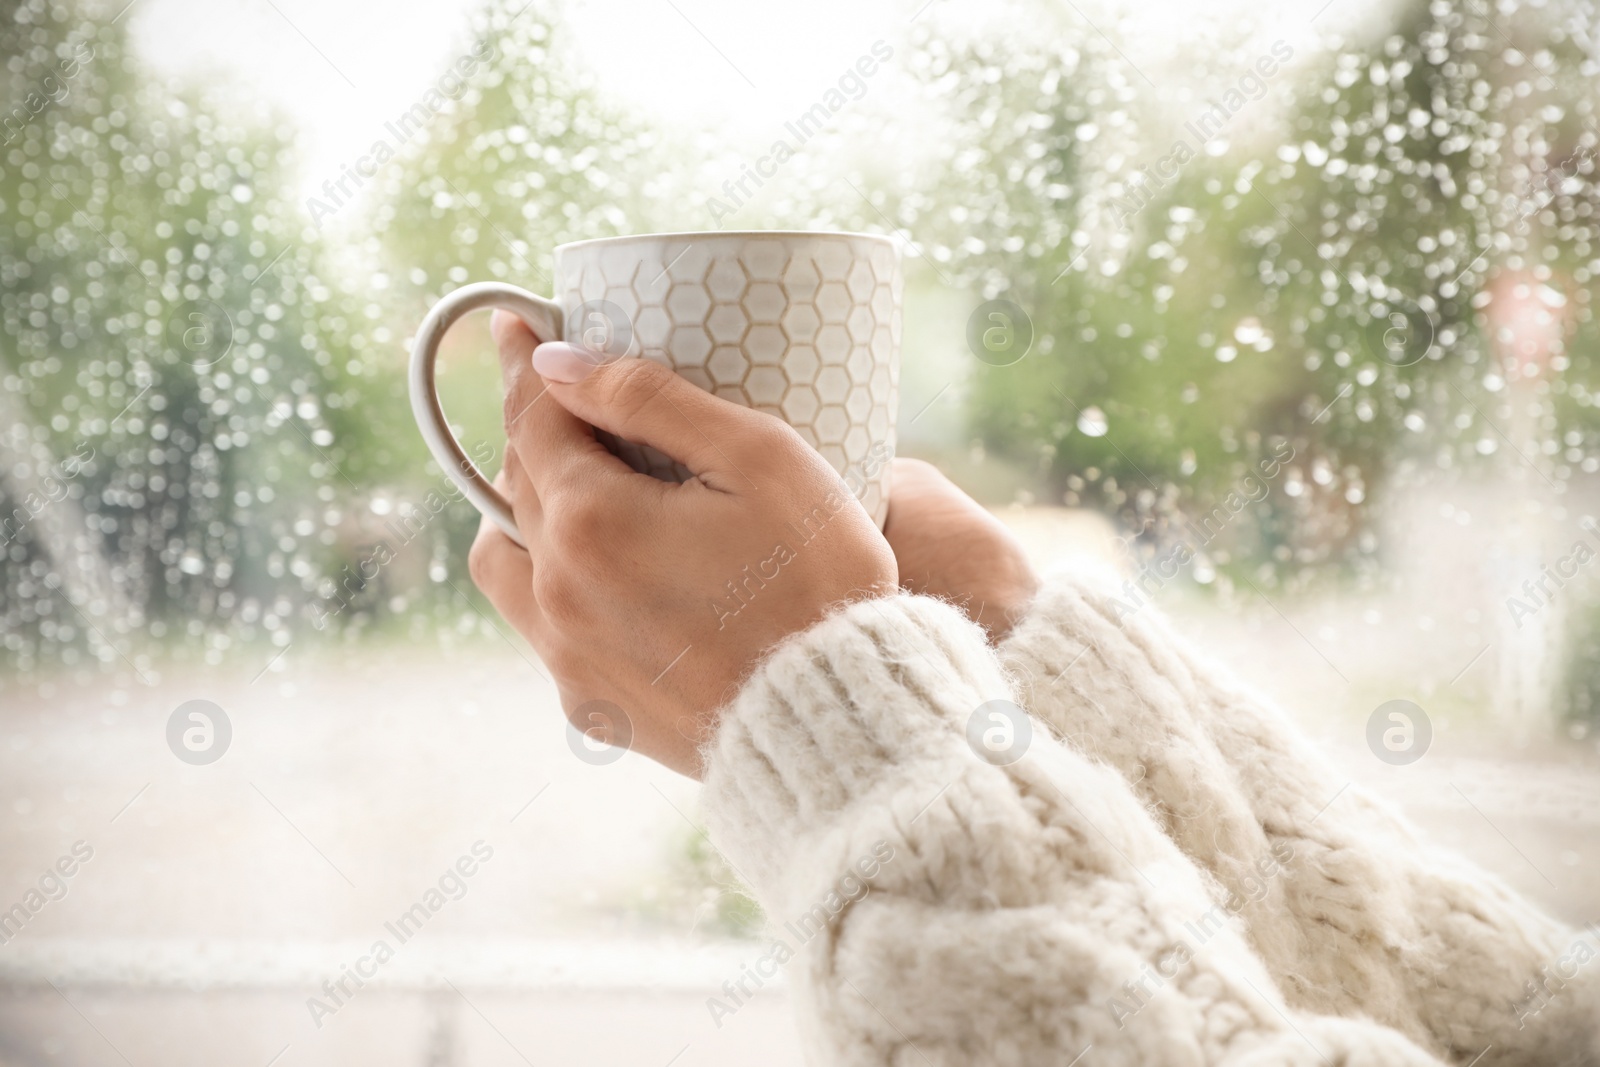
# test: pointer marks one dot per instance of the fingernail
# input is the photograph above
(557, 361)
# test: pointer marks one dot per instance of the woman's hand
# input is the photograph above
(650, 601)
(948, 546)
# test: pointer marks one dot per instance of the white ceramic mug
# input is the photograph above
(803, 325)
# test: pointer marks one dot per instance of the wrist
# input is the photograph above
(1008, 601)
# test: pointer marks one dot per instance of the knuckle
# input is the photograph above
(766, 436)
(560, 597)
(780, 450)
(508, 330)
(629, 386)
(519, 395)
(780, 435)
(917, 474)
(481, 561)
(578, 524)
(578, 520)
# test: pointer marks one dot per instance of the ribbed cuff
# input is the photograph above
(841, 716)
(1082, 620)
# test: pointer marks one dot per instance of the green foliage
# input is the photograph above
(160, 308)
(698, 891)
(1356, 294)
(1578, 695)
(1332, 293)
(527, 158)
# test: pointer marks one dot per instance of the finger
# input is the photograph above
(908, 475)
(908, 481)
(645, 402)
(538, 430)
(515, 341)
(513, 484)
(504, 571)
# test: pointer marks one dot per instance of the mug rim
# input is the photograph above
(710, 234)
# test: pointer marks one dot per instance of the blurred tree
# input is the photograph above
(1413, 261)
(525, 158)
(1235, 297)
(163, 318)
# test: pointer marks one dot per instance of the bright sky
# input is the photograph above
(732, 65)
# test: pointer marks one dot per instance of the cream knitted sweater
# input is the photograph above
(1170, 875)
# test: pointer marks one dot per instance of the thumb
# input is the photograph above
(643, 401)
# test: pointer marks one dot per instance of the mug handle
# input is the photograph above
(542, 316)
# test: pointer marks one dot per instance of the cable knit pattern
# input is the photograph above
(1367, 920)
(1023, 913)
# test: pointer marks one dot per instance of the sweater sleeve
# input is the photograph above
(1366, 919)
(942, 908)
